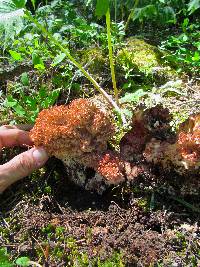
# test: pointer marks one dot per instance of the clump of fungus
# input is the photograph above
(153, 122)
(73, 130)
(183, 154)
(189, 142)
(151, 138)
(78, 134)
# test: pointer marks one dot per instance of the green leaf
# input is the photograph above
(184, 37)
(196, 56)
(59, 58)
(185, 24)
(168, 14)
(54, 96)
(31, 102)
(51, 99)
(39, 66)
(197, 44)
(19, 3)
(10, 102)
(88, 2)
(43, 92)
(25, 79)
(133, 97)
(19, 110)
(23, 261)
(11, 22)
(193, 5)
(37, 61)
(101, 8)
(7, 6)
(147, 12)
(15, 55)
(33, 3)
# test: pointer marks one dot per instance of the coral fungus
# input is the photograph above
(184, 154)
(111, 167)
(151, 138)
(73, 130)
(189, 141)
(78, 134)
(153, 122)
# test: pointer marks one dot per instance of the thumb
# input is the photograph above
(21, 166)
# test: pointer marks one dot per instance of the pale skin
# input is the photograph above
(23, 164)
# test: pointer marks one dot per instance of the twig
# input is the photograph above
(73, 78)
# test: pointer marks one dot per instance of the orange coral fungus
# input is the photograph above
(70, 131)
(78, 134)
(189, 141)
(114, 168)
(111, 167)
(184, 153)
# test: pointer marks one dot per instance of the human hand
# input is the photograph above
(22, 164)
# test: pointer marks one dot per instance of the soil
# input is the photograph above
(117, 221)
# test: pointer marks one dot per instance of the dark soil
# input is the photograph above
(145, 227)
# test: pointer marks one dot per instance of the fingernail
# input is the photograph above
(40, 156)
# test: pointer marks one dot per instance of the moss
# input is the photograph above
(95, 61)
(143, 203)
(143, 62)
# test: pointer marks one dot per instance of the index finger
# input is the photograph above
(14, 137)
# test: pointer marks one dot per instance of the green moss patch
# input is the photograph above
(144, 62)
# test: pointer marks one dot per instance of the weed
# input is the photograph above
(185, 48)
(25, 106)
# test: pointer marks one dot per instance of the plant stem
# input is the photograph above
(131, 14)
(186, 204)
(111, 56)
(107, 97)
(115, 11)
